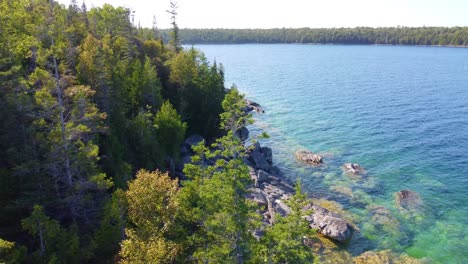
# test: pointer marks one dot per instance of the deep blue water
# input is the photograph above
(401, 112)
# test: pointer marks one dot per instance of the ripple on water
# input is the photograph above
(401, 112)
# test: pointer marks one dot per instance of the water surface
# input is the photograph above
(401, 112)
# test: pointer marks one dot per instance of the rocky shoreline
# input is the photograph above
(271, 191)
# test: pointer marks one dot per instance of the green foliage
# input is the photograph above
(56, 244)
(170, 130)
(152, 206)
(112, 228)
(10, 253)
(234, 117)
(283, 242)
(200, 91)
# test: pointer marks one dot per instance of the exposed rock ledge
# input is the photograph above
(253, 106)
(271, 192)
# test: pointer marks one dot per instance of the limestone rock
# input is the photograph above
(308, 157)
(408, 200)
(330, 225)
(242, 133)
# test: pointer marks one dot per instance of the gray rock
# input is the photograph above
(282, 208)
(308, 157)
(329, 225)
(259, 196)
(262, 176)
(354, 169)
(268, 154)
(408, 200)
(253, 106)
(259, 160)
(193, 140)
(242, 133)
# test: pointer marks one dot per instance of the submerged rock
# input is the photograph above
(329, 224)
(353, 170)
(408, 200)
(385, 257)
(308, 157)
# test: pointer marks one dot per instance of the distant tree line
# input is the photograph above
(454, 36)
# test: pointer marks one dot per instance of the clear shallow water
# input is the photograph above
(400, 112)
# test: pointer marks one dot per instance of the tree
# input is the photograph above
(11, 253)
(152, 206)
(283, 242)
(175, 40)
(170, 130)
(217, 212)
(56, 245)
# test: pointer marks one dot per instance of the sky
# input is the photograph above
(296, 13)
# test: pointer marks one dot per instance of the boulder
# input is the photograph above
(193, 140)
(253, 106)
(308, 157)
(353, 168)
(408, 200)
(262, 176)
(329, 225)
(268, 153)
(282, 208)
(258, 196)
(242, 133)
(259, 159)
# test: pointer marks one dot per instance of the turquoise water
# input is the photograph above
(400, 112)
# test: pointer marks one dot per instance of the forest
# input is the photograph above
(94, 112)
(438, 36)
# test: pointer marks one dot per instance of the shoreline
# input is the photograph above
(326, 44)
(272, 189)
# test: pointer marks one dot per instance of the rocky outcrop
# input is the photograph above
(253, 106)
(260, 157)
(308, 157)
(329, 224)
(242, 133)
(192, 141)
(353, 168)
(408, 200)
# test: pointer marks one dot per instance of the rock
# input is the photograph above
(183, 150)
(408, 200)
(262, 176)
(308, 157)
(385, 257)
(259, 196)
(329, 225)
(282, 208)
(242, 133)
(343, 190)
(193, 140)
(268, 154)
(253, 106)
(259, 159)
(353, 168)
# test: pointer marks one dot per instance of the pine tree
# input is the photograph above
(283, 242)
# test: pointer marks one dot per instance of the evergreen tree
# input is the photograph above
(283, 242)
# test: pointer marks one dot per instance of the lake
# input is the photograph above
(400, 112)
